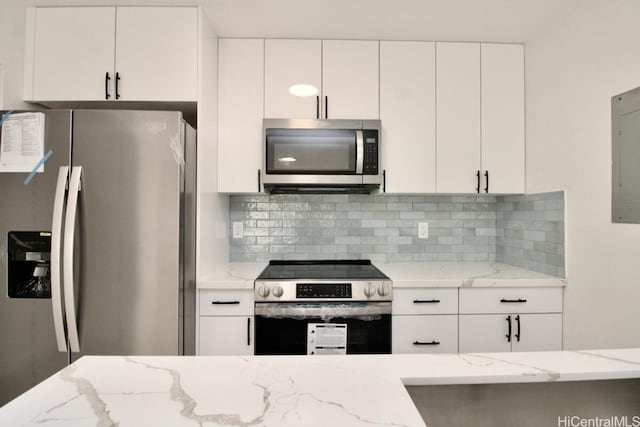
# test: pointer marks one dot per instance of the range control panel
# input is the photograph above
(324, 290)
(329, 290)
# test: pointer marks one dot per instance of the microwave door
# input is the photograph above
(313, 152)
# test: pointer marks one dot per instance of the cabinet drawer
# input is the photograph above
(511, 300)
(425, 301)
(425, 334)
(229, 302)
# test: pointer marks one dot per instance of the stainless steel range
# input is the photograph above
(322, 307)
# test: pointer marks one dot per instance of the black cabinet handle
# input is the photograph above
(317, 106)
(326, 107)
(518, 324)
(259, 183)
(248, 330)
(478, 183)
(117, 80)
(106, 85)
(486, 181)
(519, 300)
(509, 333)
(426, 301)
(225, 302)
(384, 181)
(426, 343)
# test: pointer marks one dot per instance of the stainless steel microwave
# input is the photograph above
(309, 155)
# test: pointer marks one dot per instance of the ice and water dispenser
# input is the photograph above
(29, 254)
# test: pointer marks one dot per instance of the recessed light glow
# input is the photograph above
(287, 159)
(303, 90)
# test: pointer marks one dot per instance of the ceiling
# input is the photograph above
(452, 20)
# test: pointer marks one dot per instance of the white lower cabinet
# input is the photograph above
(225, 322)
(226, 335)
(425, 321)
(510, 319)
(425, 334)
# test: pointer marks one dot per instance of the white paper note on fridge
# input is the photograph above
(22, 142)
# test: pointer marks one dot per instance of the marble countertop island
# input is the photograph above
(406, 275)
(352, 390)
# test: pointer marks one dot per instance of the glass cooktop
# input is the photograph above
(322, 269)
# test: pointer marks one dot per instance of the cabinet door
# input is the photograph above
(157, 53)
(425, 334)
(408, 115)
(484, 333)
(502, 82)
(350, 79)
(292, 70)
(458, 116)
(226, 335)
(537, 332)
(73, 49)
(240, 111)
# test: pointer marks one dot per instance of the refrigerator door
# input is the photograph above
(127, 246)
(28, 349)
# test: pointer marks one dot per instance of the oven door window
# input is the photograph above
(314, 152)
(287, 335)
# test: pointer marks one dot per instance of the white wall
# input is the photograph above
(213, 208)
(573, 67)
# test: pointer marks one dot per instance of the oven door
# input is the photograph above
(283, 328)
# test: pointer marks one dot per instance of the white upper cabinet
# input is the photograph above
(408, 116)
(329, 79)
(480, 118)
(111, 53)
(502, 94)
(156, 53)
(293, 78)
(458, 116)
(350, 79)
(240, 113)
(70, 50)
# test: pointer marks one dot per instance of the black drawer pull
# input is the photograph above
(508, 319)
(426, 343)
(225, 302)
(426, 301)
(513, 300)
(518, 323)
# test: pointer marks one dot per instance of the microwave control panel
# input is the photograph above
(370, 163)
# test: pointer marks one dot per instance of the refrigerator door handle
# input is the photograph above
(69, 235)
(56, 234)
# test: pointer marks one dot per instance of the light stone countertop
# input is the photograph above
(234, 275)
(352, 390)
(464, 274)
(406, 275)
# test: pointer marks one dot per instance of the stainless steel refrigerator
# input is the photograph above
(98, 251)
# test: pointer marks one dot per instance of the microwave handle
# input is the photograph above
(359, 152)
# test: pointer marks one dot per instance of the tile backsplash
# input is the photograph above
(384, 228)
(532, 232)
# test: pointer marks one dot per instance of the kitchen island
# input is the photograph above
(351, 390)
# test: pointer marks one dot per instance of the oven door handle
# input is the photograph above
(323, 310)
